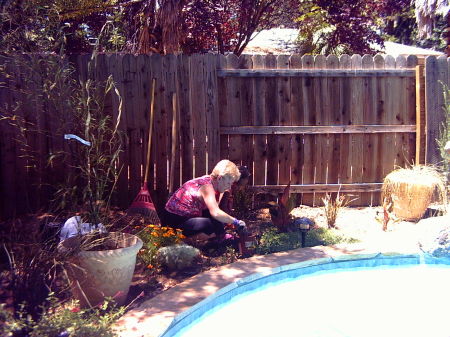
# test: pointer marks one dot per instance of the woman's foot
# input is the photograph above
(198, 239)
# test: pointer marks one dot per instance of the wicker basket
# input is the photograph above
(410, 209)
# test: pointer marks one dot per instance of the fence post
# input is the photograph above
(421, 121)
(436, 74)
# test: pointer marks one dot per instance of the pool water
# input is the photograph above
(380, 296)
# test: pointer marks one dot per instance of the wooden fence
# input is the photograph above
(326, 124)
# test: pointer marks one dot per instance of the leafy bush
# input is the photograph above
(155, 237)
(176, 257)
(326, 237)
(58, 320)
(272, 241)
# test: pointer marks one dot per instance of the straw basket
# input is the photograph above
(411, 191)
(411, 208)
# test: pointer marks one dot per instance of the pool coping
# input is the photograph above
(154, 316)
(278, 274)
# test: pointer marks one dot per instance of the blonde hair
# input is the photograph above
(226, 168)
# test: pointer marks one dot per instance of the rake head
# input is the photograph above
(143, 205)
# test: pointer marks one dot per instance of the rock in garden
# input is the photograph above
(437, 243)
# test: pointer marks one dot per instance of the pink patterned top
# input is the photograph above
(187, 200)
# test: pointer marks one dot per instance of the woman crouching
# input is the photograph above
(194, 207)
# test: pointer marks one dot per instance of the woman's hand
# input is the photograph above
(240, 226)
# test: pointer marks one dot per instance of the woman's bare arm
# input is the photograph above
(209, 196)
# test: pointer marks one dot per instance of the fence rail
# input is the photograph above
(315, 73)
(325, 124)
(293, 130)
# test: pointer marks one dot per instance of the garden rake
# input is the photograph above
(143, 203)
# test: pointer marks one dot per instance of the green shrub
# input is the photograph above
(272, 241)
(58, 320)
(177, 257)
(326, 237)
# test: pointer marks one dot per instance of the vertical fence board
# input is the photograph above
(308, 143)
(186, 121)
(212, 111)
(356, 117)
(335, 118)
(379, 63)
(160, 131)
(272, 119)
(345, 151)
(389, 152)
(198, 113)
(142, 100)
(370, 145)
(224, 116)
(320, 107)
(247, 106)
(233, 109)
(170, 77)
(115, 68)
(259, 119)
(131, 110)
(284, 112)
(410, 116)
(297, 118)
(401, 114)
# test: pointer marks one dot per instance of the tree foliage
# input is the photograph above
(341, 26)
(228, 25)
(192, 26)
(44, 25)
(402, 27)
(142, 26)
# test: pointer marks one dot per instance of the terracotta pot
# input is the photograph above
(95, 275)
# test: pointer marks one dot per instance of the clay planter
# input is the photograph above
(95, 275)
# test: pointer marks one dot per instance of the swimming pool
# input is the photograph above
(370, 295)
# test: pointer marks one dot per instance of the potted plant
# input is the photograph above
(410, 191)
(100, 259)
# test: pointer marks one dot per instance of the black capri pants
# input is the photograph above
(191, 226)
